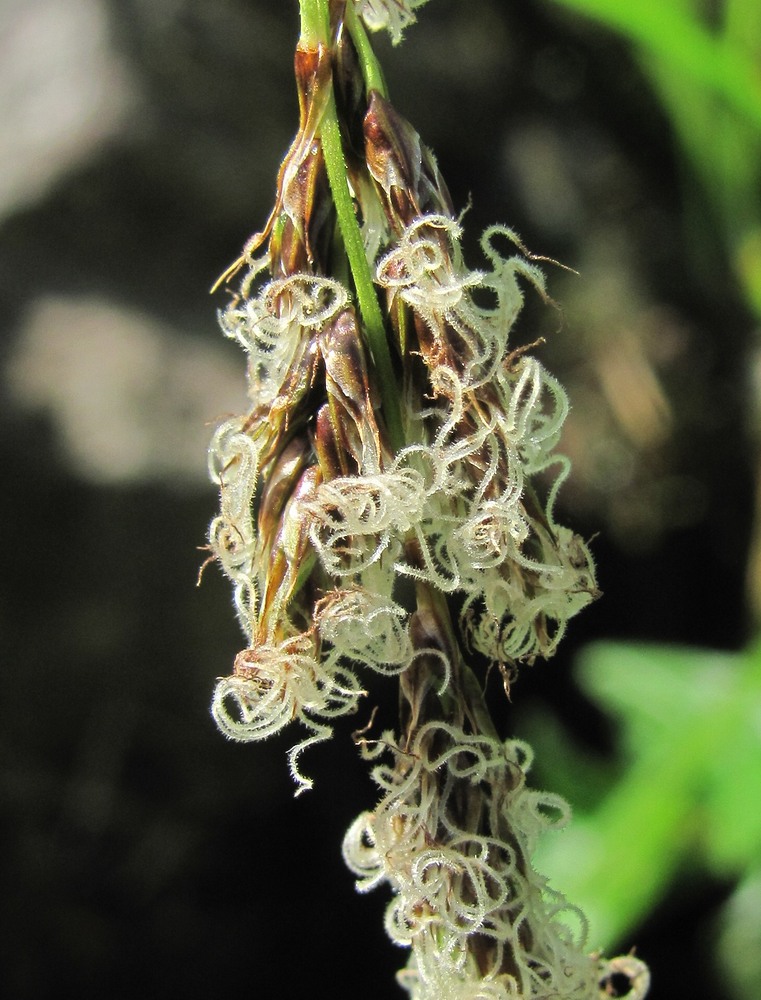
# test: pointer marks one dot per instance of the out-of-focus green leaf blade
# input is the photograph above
(709, 82)
(742, 25)
(732, 838)
(616, 862)
(655, 690)
(732, 835)
(688, 725)
(739, 939)
(671, 32)
(579, 776)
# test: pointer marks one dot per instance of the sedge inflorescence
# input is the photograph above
(451, 510)
(387, 506)
(481, 923)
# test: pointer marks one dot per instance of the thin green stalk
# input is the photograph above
(372, 74)
(355, 250)
(314, 17)
(315, 23)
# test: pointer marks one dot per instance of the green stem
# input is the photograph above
(315, 23)
(375, 330)
(372, 74)
(314, 17)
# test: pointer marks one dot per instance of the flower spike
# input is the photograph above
(388, 510)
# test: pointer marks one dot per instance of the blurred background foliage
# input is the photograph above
(140, 139)
(688, 720)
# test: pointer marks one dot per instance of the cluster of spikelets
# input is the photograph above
(452, 509)
(401, 529)
(451, 884)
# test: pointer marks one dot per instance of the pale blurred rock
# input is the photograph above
(130, 399)
(63, 93)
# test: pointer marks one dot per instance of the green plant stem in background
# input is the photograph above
(708, 81)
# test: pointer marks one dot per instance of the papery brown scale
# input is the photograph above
(303, 245)
(402, 166)
(288, 251)
(294, 533)
(434, 348)
(289, 557)
(303, 197)
(349, 90)
(331, 457)
(401, 318)
(347, 382)
(274, 595)
(304, 185)
(288, 412)
(446, 345)
(279, 485)
(344, 434)
(431, 639)
(428, 631)
(393, 154)
(271, 424)
(416, 683)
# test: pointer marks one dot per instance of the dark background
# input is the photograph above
(141, 854)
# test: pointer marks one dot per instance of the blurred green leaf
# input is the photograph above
(739, 939)
(690, 728)
(733, 803)
(580, 777)
(669, 31)
(708, 79)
